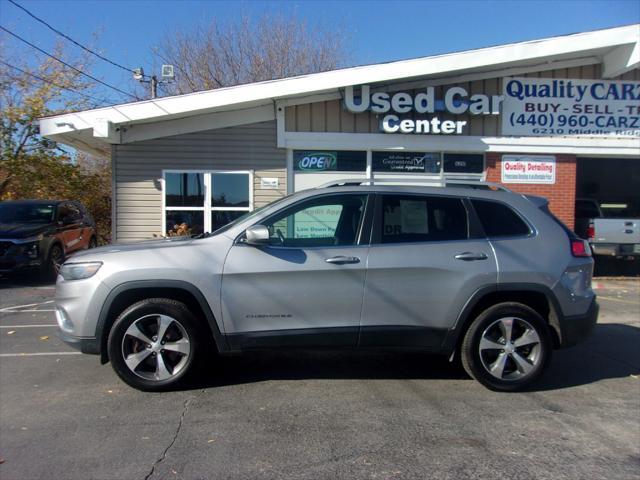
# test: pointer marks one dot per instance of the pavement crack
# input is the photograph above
(173, 440)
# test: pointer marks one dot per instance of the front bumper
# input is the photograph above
(577, 328)
(84, 344)
(17, 263)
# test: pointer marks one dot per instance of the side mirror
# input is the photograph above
(257, 235)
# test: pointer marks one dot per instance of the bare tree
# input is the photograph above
(244, 51)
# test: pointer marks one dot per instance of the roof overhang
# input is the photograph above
(618, 49)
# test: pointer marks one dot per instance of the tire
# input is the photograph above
(93, 243)
(507, 347)
(55, 259)
(161, 368)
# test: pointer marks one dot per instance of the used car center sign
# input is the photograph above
(456, 101)
(528, 106)
(550, 107)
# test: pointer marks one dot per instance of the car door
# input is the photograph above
(425, 261)
(70, 226)
(87, 226)
(305, 287)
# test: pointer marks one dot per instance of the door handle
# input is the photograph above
(469, 256)
(341, 260)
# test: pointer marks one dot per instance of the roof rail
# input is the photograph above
(435, 182)
(478, 185)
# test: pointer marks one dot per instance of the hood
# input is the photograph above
(96, 253)
(22, 230)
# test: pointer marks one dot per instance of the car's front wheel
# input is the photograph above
(507, 347)
(154, 343)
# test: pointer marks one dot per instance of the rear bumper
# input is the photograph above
(577, 328)
(616, 249)
(84, 344)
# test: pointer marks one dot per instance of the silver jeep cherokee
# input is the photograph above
(483, 273)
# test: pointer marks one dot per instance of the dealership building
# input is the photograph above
(557, 117)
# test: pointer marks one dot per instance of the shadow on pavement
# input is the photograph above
(610, 353)
(21, 280)
(613, 267)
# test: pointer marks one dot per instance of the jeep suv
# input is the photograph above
(485, 274)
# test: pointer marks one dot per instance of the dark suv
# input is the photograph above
(40, 234)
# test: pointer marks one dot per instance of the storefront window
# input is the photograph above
(184, 222)
(184, 189)
(229, 190)
(463, 163)
(187, 200)
(406, 162)
(314, 161)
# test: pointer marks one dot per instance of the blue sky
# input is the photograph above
(377, 31)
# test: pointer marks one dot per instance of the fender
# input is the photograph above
(101, 337)
(451, 341)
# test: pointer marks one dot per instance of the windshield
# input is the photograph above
(27, 213)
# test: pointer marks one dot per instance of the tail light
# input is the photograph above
(580, 248)
(591, 231)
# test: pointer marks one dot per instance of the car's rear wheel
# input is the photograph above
(93, 243)
(154, 343)
(507, 347)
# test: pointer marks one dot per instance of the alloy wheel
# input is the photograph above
(510, 348)
(156, 347)
(57, 259)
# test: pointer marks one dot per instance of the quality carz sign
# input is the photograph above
(528, 169)
(571, 107)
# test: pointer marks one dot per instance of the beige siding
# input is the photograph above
(330, 116)
(138, 170)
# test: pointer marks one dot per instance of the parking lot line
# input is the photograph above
(14, 307)
(26, 311)
(29, 326)
(38, 354)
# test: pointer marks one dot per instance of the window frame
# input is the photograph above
(363, 236)
(207, 207)
(376, 230)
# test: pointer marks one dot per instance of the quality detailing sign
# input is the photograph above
(551, 107)
(528, 169)
(457, 101)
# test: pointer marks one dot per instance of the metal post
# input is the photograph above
(154, 86)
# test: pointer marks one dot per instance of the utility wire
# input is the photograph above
(53, 83)
(66, 64)
(93, 52)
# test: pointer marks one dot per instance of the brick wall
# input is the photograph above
(561, 195)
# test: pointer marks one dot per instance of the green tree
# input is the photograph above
(32, 166)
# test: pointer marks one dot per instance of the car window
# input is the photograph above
(414, 218)
(26, 213)
(499, 220)
(68, 210)
(319, 222)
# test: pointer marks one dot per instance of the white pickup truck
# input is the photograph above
(608, 230)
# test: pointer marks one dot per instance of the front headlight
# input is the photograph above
(31, 249)
(78, 271)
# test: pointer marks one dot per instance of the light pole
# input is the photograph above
(167, 77)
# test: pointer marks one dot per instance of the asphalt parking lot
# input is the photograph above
(317, 415)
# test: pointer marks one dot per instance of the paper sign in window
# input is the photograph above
(413, 216)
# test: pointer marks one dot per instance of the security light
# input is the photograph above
(167, 72)
(138, 73)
